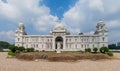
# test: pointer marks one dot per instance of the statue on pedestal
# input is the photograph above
(58, 45)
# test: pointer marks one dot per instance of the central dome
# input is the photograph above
(59, 26)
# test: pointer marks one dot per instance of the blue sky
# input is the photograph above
(39, 16)
(58, 8)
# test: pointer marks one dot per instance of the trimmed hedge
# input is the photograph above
(13, 48)
(95, 50)
(87, 50)
(21, 49)
(1, 49)
(109, 53)
(30, 49)
(104, 49)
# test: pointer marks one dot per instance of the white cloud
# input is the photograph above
(105, 6)
(7, 36)
(8, 11)
(74, 16)
(113, 23)
(111, 6)
(114, 31)
(45, 23)
(96, 5)
(28, 11)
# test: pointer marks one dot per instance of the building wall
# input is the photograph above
(46, 42)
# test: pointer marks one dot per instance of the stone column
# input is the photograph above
(64, 42)
(53, 43)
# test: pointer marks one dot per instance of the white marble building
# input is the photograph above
(61, 39)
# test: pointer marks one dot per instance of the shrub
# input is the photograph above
(1, 49)
(17, 52)
(55, 51)
(30, 49)
(109, 53)
(43, 50)
(13, 48)
(37, 51)
(11, 53)
(104, 49)
(95, 50)
(21, 48)
(87, 50)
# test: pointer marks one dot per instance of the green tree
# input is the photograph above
(95, 50)
(112, 46)
(87, 50)
(4, 44)
(104, 49)
(13, 48)
(30, 49)
(21, 48)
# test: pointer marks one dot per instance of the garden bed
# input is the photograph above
(64, 56)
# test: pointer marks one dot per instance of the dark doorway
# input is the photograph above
(59, 39)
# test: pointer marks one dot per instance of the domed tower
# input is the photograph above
(19, 33)
(102, 32)
(101, 29)
(21, 29)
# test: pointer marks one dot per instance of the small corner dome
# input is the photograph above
(59, 26)
(100, 22)
(21, 24)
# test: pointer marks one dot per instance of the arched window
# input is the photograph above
(37, 45)
(82, 45)
(70, 40)
(18, 39)
(87, 45)
(76, 45)
(93, 45)
(103, 39)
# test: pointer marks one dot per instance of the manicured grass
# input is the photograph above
(116, 51)
(11, 53)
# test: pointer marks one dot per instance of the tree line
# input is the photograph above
(4, 45)
(113, 46)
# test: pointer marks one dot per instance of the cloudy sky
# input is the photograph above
(39, 16)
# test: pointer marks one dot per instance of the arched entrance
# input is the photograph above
(59, 42)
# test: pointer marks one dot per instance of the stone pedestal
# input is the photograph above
(58, 47)
(58, 51)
